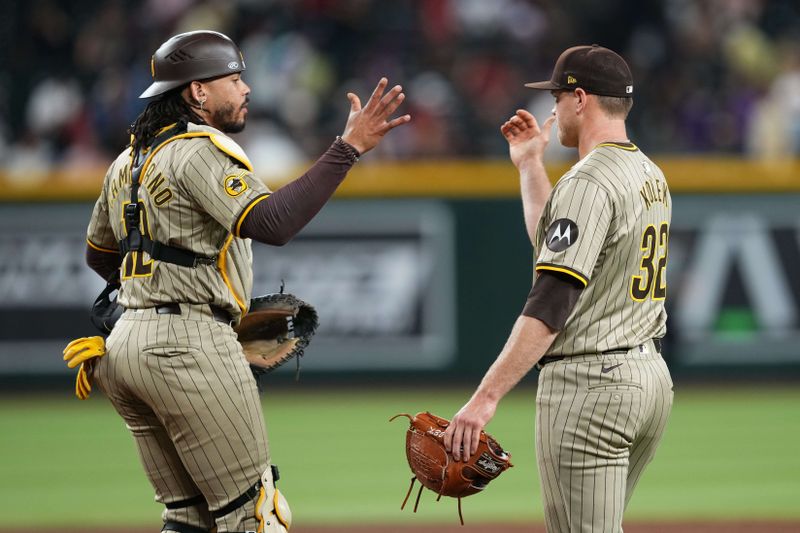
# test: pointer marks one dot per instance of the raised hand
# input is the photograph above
(367, 125)
(525, 139)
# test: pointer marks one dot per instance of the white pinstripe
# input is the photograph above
(596, 429)
(183, 387)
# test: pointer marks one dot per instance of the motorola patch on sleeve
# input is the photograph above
(561, 234)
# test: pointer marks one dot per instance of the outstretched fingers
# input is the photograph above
(366, 126)
(355, 102)
(399, 121)
(393, 98)
(376, 95)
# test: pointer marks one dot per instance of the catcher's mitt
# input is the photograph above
(276, 328)
(437, 470)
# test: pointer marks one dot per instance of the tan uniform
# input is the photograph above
(602, 409)
(194, 192)
(180, 381)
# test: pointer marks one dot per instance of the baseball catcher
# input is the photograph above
(277, 328)
(176, 218)
(436, 469)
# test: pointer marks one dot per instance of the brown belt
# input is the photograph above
(553, 358)
(174, 308)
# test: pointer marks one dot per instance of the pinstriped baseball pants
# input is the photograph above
(599, 420)
(187, 395)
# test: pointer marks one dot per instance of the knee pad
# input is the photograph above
(272, 509)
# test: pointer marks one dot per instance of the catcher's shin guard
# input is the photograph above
(261, 507)
(272, 509)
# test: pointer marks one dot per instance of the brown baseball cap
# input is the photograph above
(594, 69)
(195, 55)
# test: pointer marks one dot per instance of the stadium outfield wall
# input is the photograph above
(448, 179)
(424, 266)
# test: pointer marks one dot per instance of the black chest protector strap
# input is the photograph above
(135, 240)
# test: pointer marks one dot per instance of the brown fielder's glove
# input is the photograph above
(277, 328)
(437, 470)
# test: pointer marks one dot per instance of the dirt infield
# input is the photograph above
(633, 527)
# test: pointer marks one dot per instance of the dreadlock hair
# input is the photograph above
(162, 111)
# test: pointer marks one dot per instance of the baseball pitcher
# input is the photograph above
(595, 315)
(173, 225)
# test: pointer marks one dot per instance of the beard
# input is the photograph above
(225, 119)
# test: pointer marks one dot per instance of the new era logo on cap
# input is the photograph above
(571, 80)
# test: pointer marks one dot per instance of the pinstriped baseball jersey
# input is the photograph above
(191, 176)
(606, 224)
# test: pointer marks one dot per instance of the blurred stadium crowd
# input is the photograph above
(712, 76)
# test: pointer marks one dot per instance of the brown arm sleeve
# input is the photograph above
(552, 298)
(104, 263)
(281, 216)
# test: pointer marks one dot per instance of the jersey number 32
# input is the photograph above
(652, 280)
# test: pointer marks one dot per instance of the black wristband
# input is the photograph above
(348, 148)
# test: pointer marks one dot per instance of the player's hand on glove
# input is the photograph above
(367, 125)
(433, 466)
(84, 352)
(464, 432)
(526, 140)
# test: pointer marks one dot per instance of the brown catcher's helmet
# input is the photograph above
(195, 55)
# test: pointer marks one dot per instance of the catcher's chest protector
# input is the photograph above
(437, 470)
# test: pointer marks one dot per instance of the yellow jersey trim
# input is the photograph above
(246, 211)
(100, 248)
(565, 271)
(162, 145)
(233, 150)
(631, 148)
(221, 263)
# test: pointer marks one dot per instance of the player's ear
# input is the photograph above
(196, 92)
(580, 100)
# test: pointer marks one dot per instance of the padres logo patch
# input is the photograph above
(561, 235)
(235, 184)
